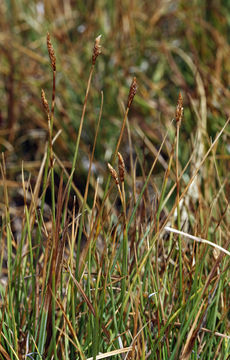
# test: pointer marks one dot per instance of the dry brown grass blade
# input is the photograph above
(10, 346)
(216, 333)
(59, 239)
(4, 353)
(90, 306)
(191, 336)
(112, 353)
(70, 327)
(56, 261)
(195, 238)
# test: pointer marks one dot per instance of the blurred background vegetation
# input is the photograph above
(168, 45)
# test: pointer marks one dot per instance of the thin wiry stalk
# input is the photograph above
(179, 114)
(96, 53)
(86, 189)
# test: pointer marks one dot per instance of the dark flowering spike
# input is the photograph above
(121, 167)
(96, 49)
(113, 173)
(132, 92)
(45, 102)
(179, 109)
(51, 52)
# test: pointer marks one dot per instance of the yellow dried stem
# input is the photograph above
(45, 102)
(121, 167)
(132, 92)
(113, 173)
(96, 49)
(179, 109)
(51, 52)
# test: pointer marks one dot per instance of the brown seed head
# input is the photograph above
(96, 49)
(132, 92)
(121, 167)
(113, 173)
(45, 102)
(179, 109)
(51, 52)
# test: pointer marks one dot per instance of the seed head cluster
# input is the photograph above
(45, 102)
(179, 109)
(96, 49)
(132, 92)
(121, 167)
(51, 52)
(113, 173)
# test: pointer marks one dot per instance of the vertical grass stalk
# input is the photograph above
(178, 118)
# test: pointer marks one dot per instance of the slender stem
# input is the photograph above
(51, 148)
(53, 281)
(164, 186)
(53, 316)
(79, 133)
(125, 251)
(121, 134)
(178, 213)
(124, 269)
(114, 157)
(86, 192)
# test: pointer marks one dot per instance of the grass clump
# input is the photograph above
(135, 263)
